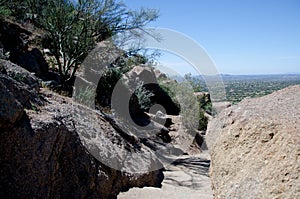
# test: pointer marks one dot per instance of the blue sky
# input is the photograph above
(240, 36)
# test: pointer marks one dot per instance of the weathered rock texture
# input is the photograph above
(44, 141)
(255, 147)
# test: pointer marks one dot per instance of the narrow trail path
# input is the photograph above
(187, 177)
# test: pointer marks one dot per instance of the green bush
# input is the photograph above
(192, 112)
(203, 121)
(169, 87)
(4, 11)
(143, 95)
(13, 8)
(112, 75)
(106, 86)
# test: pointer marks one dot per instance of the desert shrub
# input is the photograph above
(192, 111)
(208, 107)
(106, 86)
(203, 121)
(19, 77)
(86, 96)
(13, 8)
(194, 82)
(169, 87)
(182, 94)
(112, 75)
(4, 11)
(143, 95)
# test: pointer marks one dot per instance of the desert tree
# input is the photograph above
(72, 28)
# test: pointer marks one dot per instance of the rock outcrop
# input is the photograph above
(10, 109)
(255, 147)
(51, 147)
(17, 42)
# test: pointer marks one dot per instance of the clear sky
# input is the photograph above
(240, 36)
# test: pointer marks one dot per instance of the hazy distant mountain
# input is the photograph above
(273, 77)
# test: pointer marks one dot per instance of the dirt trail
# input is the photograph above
(187, 177)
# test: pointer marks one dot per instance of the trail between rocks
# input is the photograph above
(187, 177)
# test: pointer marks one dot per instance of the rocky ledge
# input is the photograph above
(255, 147)
(45, 140)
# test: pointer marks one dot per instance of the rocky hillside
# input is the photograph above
(43, 153)
(255, 147)
(53, 147)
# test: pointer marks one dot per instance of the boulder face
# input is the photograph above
(255, 147)
(21, 84)
(44, 147)
(10, 109)
(20, 74)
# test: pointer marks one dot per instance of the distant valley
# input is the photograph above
(239, 87)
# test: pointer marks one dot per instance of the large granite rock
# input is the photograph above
(62, 149)
(255, 147)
